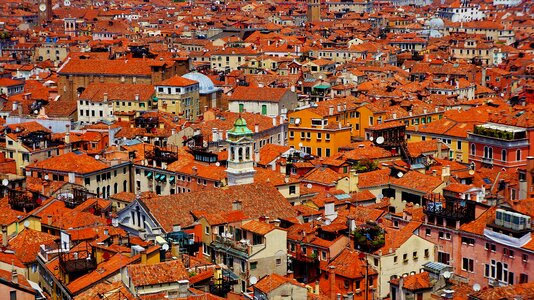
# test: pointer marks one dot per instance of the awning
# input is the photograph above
(149, 175)
(171, 179)
(155, 99)
(157, 176)
(162, 177)
(160, 240)
(322, 87)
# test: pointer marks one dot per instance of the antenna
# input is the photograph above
(380, 140)
(476, 287)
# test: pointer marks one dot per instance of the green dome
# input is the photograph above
(240, 128)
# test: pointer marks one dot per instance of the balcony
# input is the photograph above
(240, 248)
(499, 135)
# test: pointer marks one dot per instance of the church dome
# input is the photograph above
(205, 84)
(435, 23)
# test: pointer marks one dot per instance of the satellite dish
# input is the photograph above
(66, 2)
(380, 196)
(297, 121)
(476, 287)
(253, 280)
(46, 177)
(26, 224)
(309, 185)
(380, 140)
(97, 157)
(5, 182)
(447, 274)
(400, 174)
(218, 164)
(371, 139)
(36, 111)
(165, 247)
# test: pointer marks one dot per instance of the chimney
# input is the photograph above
(483, 79)
(136, 97)
(256, 128)
(236, 205)
(332, 277)
(4, 236)
(214, 135)
(257, 156)
(339, 107)
(105, 97)
(15, 105)
(49, 217)
(293, 88)
(274, 121)
(353, 182)
(67, 134)
(394, 116)
(446, 173)
(330, 110)
(439, 148)
(19, 108)
(14, 275)
(330, 210)
(173, 131)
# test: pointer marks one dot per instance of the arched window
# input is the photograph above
(115, 188)
(504, 155)
(98, 192)
(240, 153)
(518, 155)
(473, 149)
(124, 186)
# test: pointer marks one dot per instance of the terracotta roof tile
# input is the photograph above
(155, 274)
(70, 162)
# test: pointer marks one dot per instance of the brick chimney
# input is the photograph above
(332, 281)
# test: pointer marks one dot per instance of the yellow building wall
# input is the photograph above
(338, 137)
(454, 152)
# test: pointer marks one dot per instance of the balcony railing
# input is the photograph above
(228, 242)
(496, 141)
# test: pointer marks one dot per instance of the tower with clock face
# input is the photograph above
(45, 11)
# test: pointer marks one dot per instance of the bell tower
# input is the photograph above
(314, 11)
(240, 168)
(45, 11)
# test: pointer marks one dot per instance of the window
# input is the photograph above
(323, 255)
(405, 257)
(371, 121)
(468, 241)
(428, 231)
(427, 253)
(473, 149)
(12, 295)
(291, 134)
(458, 145)
(523, 278)
(327, 152)
(518, 155)
(468, 264)
(278, 261)
(253, 265)
(444, 257)
(207, 229)
(319, 152)
(415, 255)
(241, 107)
(346, 283)
(264, 109)
(444, 235)
(395, 259)
(292, 189)
(319, 136)
(327, 136)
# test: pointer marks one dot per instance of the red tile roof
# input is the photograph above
(257, 200)
(70, 162)
(155, 274)
(243, 93)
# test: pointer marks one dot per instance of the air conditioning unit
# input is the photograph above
(499, 217)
